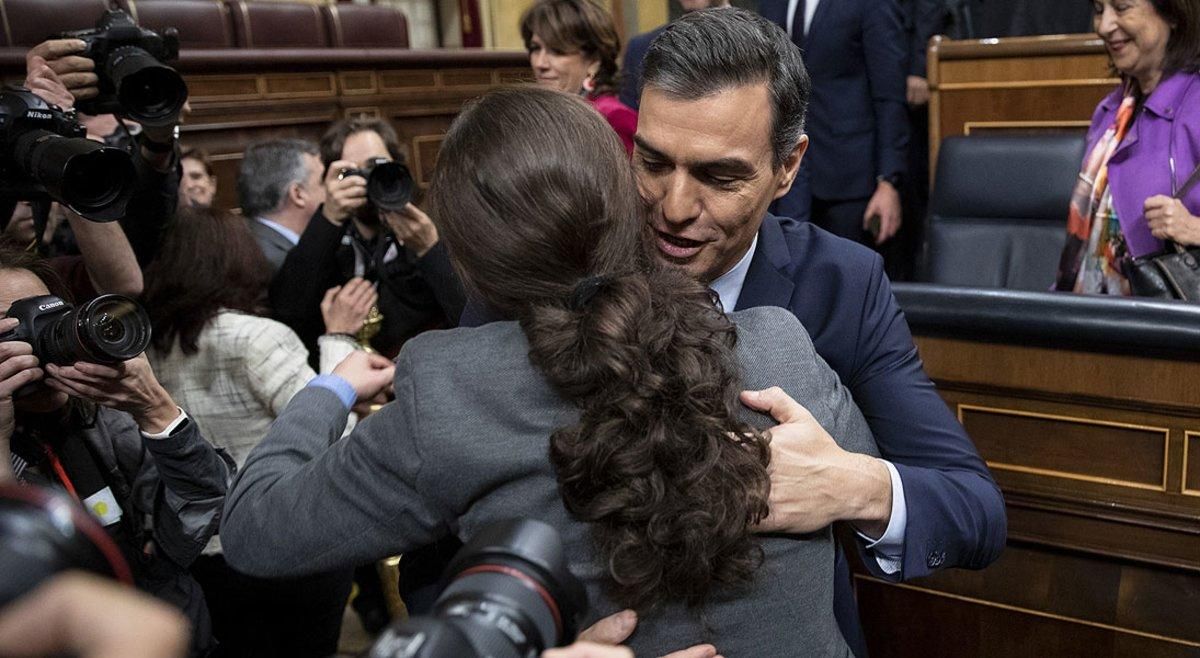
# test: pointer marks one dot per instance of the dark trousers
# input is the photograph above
(843, 218)
(268, 618)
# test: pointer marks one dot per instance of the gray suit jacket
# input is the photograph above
(465, 443)
(274, 246)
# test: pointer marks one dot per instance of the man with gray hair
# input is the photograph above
(720, 136)
(279, 188)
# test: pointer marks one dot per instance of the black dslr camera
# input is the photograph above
(43, 153)
(389, 183)
(134, 82)
(109, 329)
(510, 595)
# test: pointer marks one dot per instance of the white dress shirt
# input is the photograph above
(888, 550)
(810, 8)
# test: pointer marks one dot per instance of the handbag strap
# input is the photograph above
(1187, 187)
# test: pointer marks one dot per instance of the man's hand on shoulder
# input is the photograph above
(813, 481)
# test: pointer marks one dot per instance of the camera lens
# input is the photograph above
(390, 186)
(511, 595)
(92, 179)
(151, 93)
(109, 329)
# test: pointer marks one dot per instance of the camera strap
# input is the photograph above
(41, 219)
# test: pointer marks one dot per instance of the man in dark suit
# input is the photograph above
(856, 52)
(720, 137)
(631, 65)
(279, 189)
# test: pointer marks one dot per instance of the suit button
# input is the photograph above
(935, 559)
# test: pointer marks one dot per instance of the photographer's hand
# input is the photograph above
(412, 228)
(18, 367)
(368, 373)
(130, 387)
(83, 615)
(343, 196)
(45, 84)
(345, 308)
(77, 73)
(615, 629)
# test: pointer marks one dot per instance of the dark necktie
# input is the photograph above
(798, 24)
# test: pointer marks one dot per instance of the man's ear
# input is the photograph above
(297, 195)
(791, 166)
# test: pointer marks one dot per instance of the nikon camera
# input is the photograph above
(44, 153)
(134, 81)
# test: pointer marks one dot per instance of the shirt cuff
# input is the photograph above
(888, 550)
(174, 425)
(338, 386)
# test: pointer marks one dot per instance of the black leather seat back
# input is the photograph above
(998, 212)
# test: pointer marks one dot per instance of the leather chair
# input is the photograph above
(201, 23)
(998, 212)
(366, 26)
(278, 25)
(29, 22)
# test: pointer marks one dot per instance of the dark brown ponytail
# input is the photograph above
(534, 197)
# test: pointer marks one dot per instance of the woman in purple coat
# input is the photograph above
(1143, 146)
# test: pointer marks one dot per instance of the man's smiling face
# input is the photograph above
(706, 168)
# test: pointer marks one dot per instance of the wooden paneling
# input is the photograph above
(1028, 84)
(241, 96)
(1097, 456)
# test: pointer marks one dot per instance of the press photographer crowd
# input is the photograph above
(589, 379)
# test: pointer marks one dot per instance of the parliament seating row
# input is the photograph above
(217, 24)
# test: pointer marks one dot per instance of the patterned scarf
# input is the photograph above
(1094, 256)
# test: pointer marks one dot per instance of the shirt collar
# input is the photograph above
(728, 286)
(286, 232)
(1167, 97)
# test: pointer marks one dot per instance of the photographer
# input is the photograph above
(154, 148)
(349, 237)
(113, 438)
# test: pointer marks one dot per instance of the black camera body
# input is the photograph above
(109, 329)
(389, 183)
(134, 80)
(44, 153)
(510, 595)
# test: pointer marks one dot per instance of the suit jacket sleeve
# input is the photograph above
(631, 72)
(884, 45)
(438, 273)
(308, 271)
(306, 502)
(956, 513)
(190, 479)
(151, 209)
(928, 18)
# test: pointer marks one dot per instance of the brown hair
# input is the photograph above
(209, 261)
(577, 26)
(16, 257)
(199, 155)
(1183, 45)
(334, 139)
(658, 462)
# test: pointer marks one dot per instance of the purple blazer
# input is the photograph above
(1140, 168)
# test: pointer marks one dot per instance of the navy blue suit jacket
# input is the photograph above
(857, 54)
(631, 66)
(839, 292)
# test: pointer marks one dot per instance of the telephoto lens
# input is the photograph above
(150, 92)
(94, 180)
(109, 329)
(510, 595)
(43, 533)
(389, 185)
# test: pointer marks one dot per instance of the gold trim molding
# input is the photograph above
(1068, 475)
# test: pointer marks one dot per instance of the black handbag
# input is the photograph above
(1173, 273)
